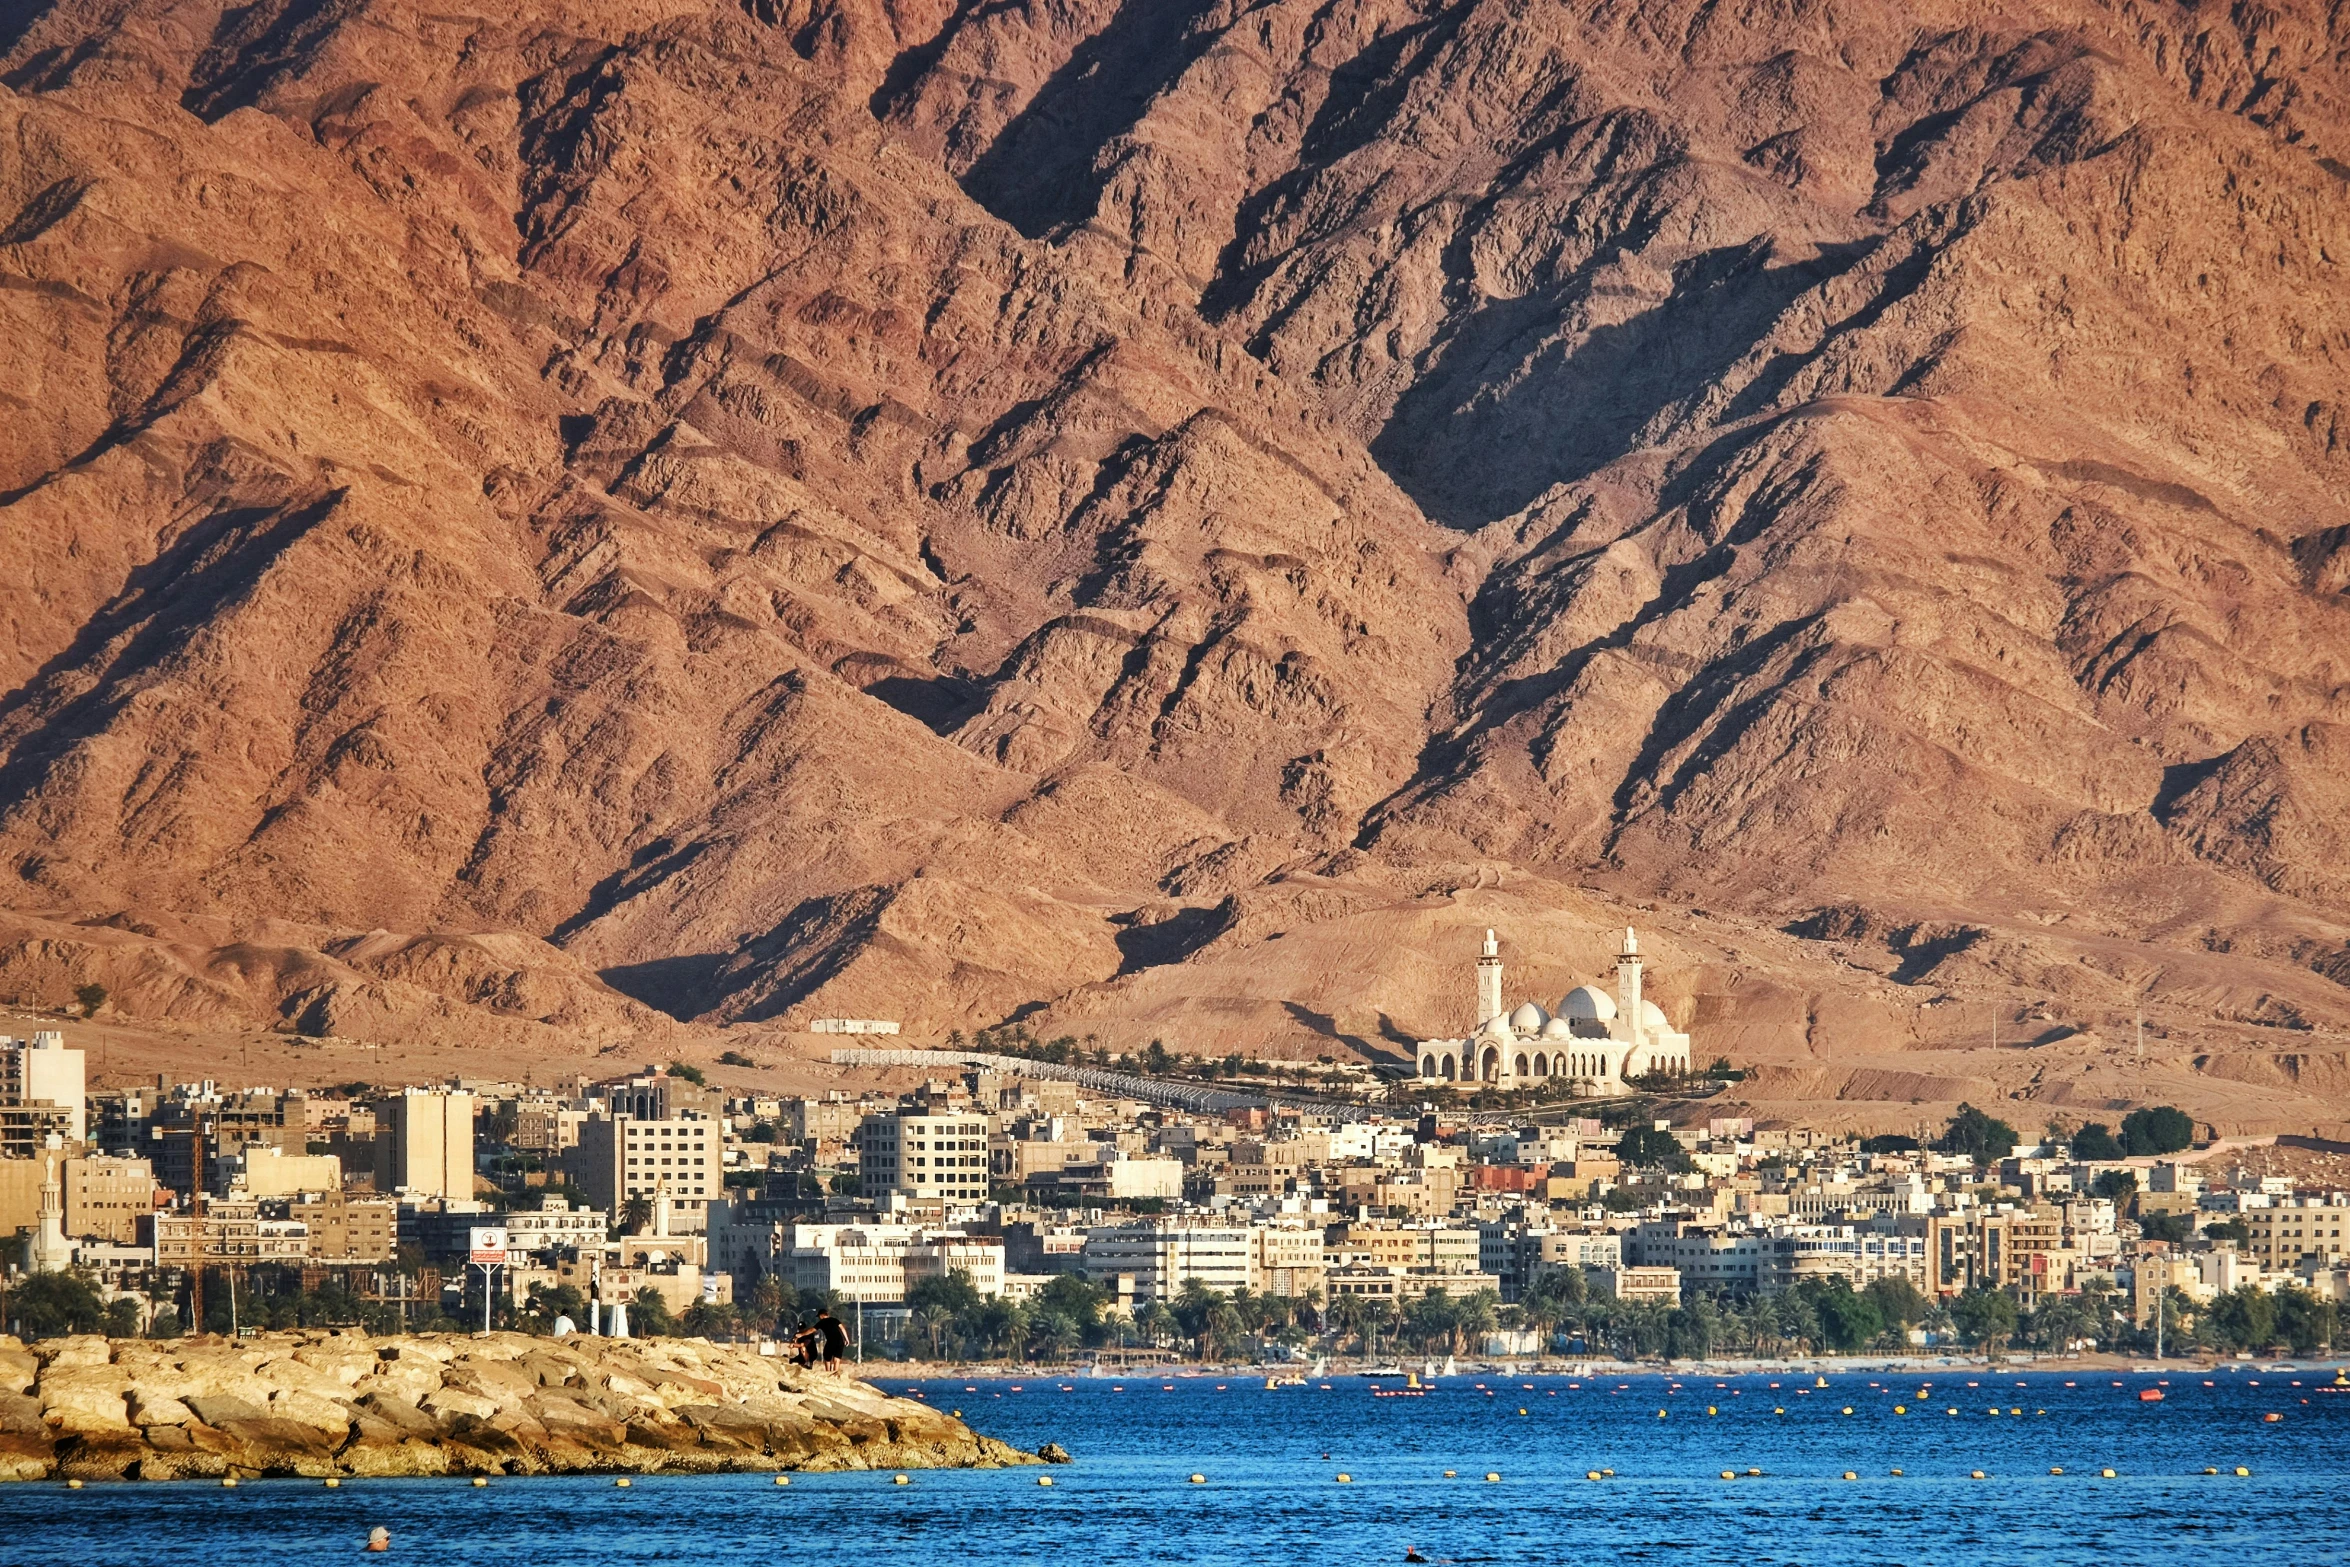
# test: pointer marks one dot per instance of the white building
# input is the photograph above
(1593, 1042)
(878, 1263)
(1160, 1256)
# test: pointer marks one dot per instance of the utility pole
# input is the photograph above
(2141, 1018)
(196, 1210)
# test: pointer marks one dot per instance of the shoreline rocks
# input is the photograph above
(322, 1403)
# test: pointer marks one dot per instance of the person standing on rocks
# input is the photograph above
(836, 1339)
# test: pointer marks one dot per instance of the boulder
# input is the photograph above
(268, 1446)
(449, 1402)
(330, 1415)
(219, 1408)
(18, 1371)
(85, 1399)
(77, 1353)
(149, 1408)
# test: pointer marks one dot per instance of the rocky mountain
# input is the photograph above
(558, 521)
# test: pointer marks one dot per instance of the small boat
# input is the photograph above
(1451, 1369)
(1321, 1367)
(2150, 1395)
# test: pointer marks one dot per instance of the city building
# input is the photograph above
(36, 1074)
(424, 1144)
(1155, 1258)
(924, 1154)
(106, 1196)
(674, 1166)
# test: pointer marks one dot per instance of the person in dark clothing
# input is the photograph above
(836, 1339)
(807, 1346)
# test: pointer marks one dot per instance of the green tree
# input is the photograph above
(952, 1293)
(2094, 1142)
(1985, 1318)
(1977, 1135)
(2163, 1129)
(549, 1301)
(2243, 1318)
(635, 1214)
(49, 1305)
(2119, 1185)
(1648, 1147)
(692, 1074)
(708, 1319)
(648, 1315)
(2172, 1227)
(91, 997)
(2235, 1231)
(1848, 1321)
(1898, 1304)
(2305, 1321)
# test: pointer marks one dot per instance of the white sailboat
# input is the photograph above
(1451, 1369)
(1321, 1365)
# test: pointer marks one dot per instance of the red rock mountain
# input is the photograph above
(590, 515)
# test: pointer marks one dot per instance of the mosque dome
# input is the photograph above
(1558, 1028)
(1585, 1005)
(1528, 1019)
(1653, 1016)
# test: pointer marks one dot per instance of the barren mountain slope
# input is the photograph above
(924, 509)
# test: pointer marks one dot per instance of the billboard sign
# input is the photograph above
(489, 1244)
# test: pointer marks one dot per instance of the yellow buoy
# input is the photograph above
(1954, 1409)
(2015, 1411)
(1491, 1478)
(621, 1483)
(1346, 1479)
(2056, 1471)
(900, 1480)
(333, 1484)
(1848, 1409)
(73, 1485)
(1044, 1479)
(1779, 1410)
(1660, 1414)
(229, 1484)
(1897, 1471)
(2211, 1471)
(1199, 1479)
(1451, 1473)
(2242, 1472)
(1754, 1471)
(1849, 1475)
(1901, 1409)
(2104, 1474)
(1591, 1474)
(478, 1480)
(1993, 1410)
(1709, 1409)
(1521, 1411)
(783, 1479)
(1729, 1474)
(1977, 1474)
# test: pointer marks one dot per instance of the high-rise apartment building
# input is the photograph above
(424, 1144)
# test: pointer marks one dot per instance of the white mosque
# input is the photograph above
(1594, 1042)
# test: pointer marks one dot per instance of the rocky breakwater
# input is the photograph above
(344, 1403)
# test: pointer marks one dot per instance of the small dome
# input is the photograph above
(1529, 1018)
(1557, 1028)
(1653, 1016)
(1585, 1005)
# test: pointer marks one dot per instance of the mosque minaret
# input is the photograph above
(1594, 1042)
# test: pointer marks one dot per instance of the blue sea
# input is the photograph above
(1269, 1461)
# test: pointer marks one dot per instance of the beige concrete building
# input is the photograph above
(1287, 1260)
(2292, 1230)
(915, 1154)
(675, 1161)
(1630, 1283)
(231, 1233)
(106, 1197)
(271, 1172)
(348, 1227)
(424, 1144)
(38, 1072)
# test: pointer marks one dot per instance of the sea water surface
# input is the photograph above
(1269, 1492)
